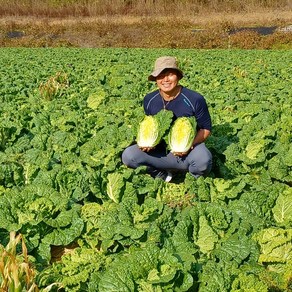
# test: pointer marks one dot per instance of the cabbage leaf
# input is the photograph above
(283, 209)
(276, 246)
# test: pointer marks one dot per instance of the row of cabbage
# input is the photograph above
(67, 115)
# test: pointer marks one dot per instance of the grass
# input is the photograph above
(16, 273)
(143, 23)
(93, 8)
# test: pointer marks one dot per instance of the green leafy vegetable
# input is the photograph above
(276, 246)
(62, 180)
(181, 135)
(153, 128)
(114, 186)
(207, 238)
(283, 209)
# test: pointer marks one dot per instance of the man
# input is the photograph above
(182, 101)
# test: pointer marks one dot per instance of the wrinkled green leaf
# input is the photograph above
(283, 209)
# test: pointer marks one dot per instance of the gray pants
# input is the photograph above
(198, 162)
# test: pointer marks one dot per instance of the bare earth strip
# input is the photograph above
(248, 18)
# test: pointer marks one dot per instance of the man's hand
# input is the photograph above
(146, 149)
(181, 154)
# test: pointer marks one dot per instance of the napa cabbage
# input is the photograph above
(152, 128)
(181, 135)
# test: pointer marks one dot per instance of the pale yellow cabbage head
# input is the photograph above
(181, 135)
(148, 132)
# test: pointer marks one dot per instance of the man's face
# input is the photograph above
(167, 80)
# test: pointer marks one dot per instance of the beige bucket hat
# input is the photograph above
(163, 63)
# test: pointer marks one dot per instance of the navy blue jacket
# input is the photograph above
(188, 103)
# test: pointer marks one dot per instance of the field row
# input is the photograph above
(67, 115)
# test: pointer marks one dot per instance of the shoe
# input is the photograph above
(162, 174)
(168, 177)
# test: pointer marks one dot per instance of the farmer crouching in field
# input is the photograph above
(183, 102)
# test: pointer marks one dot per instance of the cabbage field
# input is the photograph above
(65, 117)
